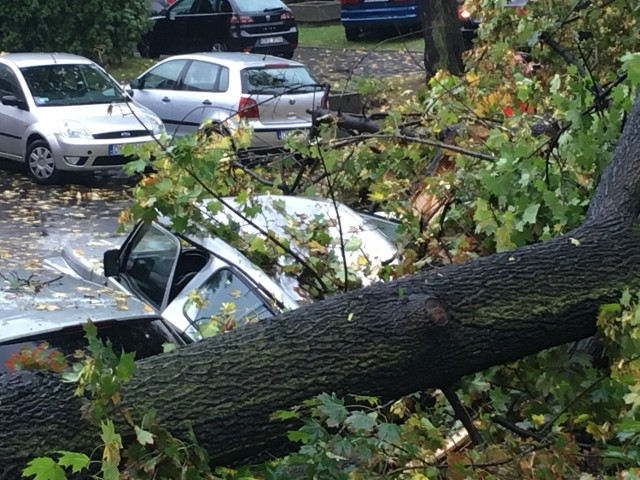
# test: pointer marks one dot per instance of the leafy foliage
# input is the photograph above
(104, 31)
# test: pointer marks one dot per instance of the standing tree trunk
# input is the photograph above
(443, 44)
(387, 340)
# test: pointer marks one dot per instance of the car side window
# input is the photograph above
(224, 289)
(185, 7)
(150, 262)
(165, 76)
(203, 77)
(9, 83)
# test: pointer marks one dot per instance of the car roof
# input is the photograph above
(28, 59)
(238, 59)
(33, 304)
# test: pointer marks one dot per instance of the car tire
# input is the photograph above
(41, 165)
(352, 33)
(218, 47)
(216, 130)
(145, 50)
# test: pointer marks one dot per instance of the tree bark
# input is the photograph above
(443, 43)
(389, 339)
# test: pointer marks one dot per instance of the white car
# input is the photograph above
(63, 113)
(163, 268)
(271, 95)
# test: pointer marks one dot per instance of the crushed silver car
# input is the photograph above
(63, 113)
(48, 311)
(165, 269)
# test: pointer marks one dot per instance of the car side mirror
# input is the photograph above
(136, 84)
(129, 91)
(111, 263)
(13, 101)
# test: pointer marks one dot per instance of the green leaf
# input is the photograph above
(389, 432)
(44, 468)
(143, 437)
(284, 415)
(631, 64)
(77, 461)
(530, 214)
(353, 244)
(298, 436)
(126, 366)
(333, 408)
(360, 421)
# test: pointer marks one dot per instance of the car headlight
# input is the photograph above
(153, 123)
(74, 129)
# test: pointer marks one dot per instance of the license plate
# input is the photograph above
(271, 40)
(284, 134)
(117, 148)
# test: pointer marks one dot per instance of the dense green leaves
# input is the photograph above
(102, 30)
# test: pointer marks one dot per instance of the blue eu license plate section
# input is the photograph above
(115, 149)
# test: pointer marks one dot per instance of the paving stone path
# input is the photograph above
(340, 64)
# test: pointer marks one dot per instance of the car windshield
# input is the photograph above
(277, 80)
(64, 84)
(145, 338)
(259, 5)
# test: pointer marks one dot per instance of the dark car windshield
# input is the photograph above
(277, 80)
(144, 337)
(259, 5)
(63, 84)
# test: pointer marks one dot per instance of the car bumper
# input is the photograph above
(92, 155)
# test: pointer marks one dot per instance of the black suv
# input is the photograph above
(187, 26)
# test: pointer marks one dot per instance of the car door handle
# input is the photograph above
(207, 102)
(166, 99)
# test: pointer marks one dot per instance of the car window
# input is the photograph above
(64, 84)
(165, 76)
(9, 83)
(277, 80)
(205, 77)
(183, 7)
(150, 262)
(259, 5)
(225, 287)
(144, 337)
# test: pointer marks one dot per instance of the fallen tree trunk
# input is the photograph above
(387, 340)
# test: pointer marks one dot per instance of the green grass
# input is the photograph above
(332, 36)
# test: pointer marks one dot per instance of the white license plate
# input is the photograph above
(284, 134)
(271, 40)
(117, 148)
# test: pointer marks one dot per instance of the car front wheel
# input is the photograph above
(41, 164)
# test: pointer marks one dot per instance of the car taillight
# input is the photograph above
(463, 13)
(349, 2)
(323, 101)
(286, 16)
(242, 19)
(248, 108)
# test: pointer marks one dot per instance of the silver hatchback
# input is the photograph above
(270, 95)
(62, 112)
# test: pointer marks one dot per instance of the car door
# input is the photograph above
(156, 89)
(202, 96)
(148, 261)
(14, 120)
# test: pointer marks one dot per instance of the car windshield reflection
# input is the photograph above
(65, 85)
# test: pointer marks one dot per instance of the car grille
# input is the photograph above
(111, 160)
(122, 134)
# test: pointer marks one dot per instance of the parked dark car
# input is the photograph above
(187, 26)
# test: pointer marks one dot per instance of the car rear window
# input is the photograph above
(144, 337)
(277, 80)
(259, 5)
